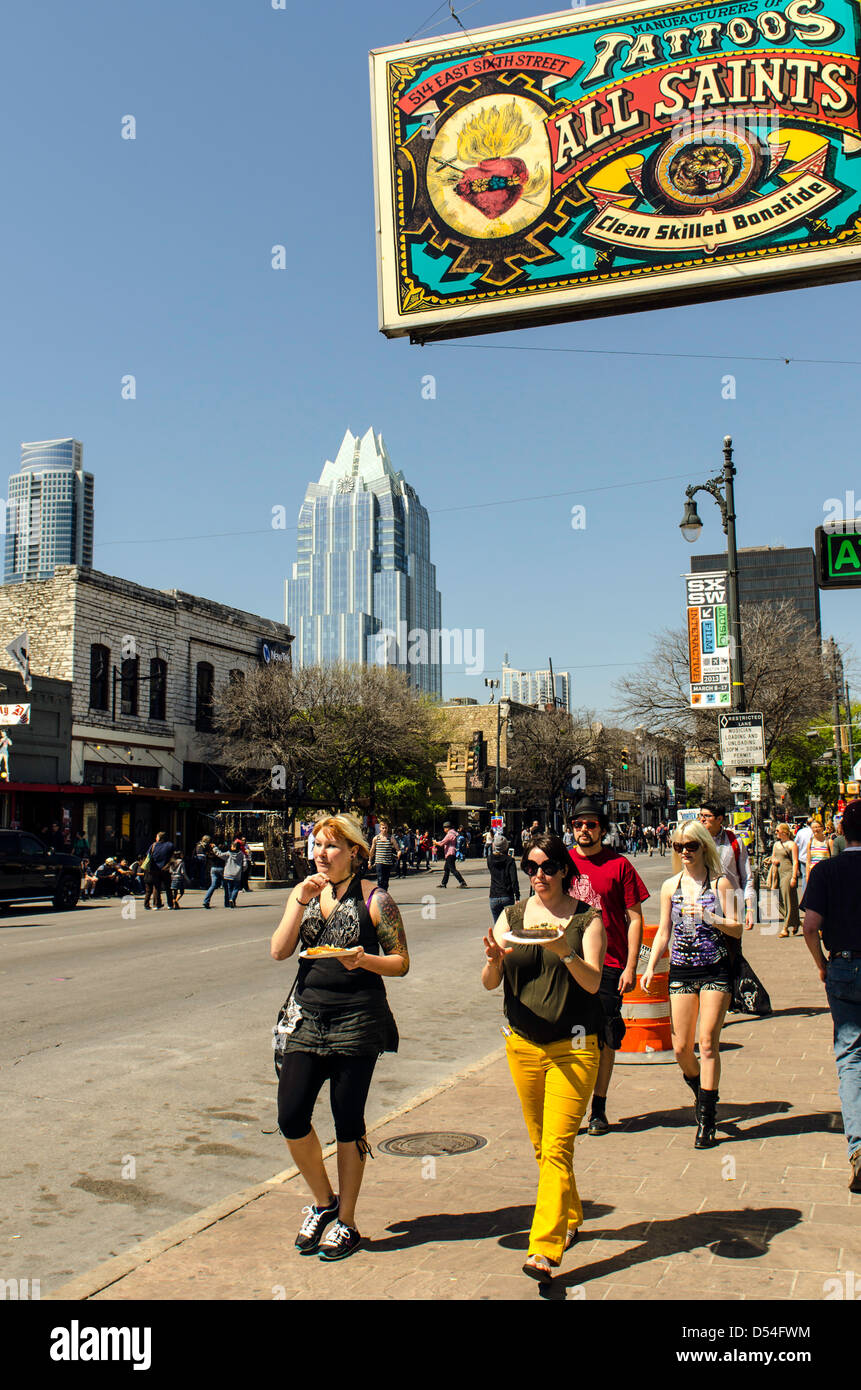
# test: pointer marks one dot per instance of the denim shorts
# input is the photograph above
(611, 1005)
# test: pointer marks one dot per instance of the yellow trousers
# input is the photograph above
(554, 1084)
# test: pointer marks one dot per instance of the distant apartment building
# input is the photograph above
(536, 687)
(49, 511)
(363, 588)
(768, 573)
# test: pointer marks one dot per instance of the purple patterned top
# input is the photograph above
(696, 944)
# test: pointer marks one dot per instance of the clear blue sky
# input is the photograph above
(153, 257)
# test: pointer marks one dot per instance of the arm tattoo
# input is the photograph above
(390, 929)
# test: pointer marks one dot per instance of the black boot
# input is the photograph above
(706, 1119)
(693, 1082)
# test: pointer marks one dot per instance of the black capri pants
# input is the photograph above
(299, 1085)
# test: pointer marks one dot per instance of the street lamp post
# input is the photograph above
(691, 526)
(501, 713)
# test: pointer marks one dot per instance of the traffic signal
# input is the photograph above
(625, 757)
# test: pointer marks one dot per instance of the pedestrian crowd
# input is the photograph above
(163, 870)
(565, 955)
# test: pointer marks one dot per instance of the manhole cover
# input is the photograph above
(433, 1145)
(739, 1248)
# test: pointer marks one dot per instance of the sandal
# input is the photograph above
(571, 1235)
(539, 1267)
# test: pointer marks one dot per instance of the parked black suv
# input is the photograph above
(29, 871)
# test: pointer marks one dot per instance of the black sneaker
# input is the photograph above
(312, 1228)
(598, 1125)
(340, 1242)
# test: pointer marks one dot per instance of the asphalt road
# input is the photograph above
(138, 1076)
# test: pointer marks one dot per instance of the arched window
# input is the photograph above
(100, 670)
(129, 686)
(157, 689)
(236, 676)
(203, 699)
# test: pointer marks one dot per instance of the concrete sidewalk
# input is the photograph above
(764, 1215)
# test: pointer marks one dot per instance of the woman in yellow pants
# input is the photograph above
(554, 1023)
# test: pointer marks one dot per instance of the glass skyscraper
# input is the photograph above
(49, 512)
(363, 587)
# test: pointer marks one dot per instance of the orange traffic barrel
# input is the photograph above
(648, 1031)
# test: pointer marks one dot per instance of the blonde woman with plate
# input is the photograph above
(336, 1021)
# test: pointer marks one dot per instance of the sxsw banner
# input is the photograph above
(614, 158)
(708, 640)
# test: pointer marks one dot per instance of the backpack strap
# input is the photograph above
(733, 839)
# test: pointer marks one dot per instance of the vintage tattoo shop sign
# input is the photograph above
(562, 167)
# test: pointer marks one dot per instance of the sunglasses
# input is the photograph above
(548, 868)
(587, 824)
(685, 846)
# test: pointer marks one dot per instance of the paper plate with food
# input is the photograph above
(534, 935)
(328, 952)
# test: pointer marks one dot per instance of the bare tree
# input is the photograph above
(324, 733)
(547, 747)
(784, 680)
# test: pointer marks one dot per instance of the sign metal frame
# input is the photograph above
(558, 167)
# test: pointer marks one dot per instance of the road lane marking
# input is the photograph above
(252, 941)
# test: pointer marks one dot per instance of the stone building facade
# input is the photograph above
(144, 666)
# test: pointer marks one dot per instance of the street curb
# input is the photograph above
(112, 1271)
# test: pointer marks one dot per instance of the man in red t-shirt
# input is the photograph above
(622, 892)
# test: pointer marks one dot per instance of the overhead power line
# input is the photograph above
(432, 511)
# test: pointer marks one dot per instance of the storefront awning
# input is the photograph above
(124, 789)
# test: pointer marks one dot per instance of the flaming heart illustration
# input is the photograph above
(493, 185)
(494, 179)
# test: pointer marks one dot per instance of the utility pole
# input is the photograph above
(835, 693)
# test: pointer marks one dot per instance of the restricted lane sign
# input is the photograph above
(742, 739)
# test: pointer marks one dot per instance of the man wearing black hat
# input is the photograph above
(622, 892)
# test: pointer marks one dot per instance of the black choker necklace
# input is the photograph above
(333, 884)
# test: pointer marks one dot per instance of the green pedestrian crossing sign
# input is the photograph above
(838, 555)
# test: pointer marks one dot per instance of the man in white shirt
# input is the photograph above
(734, 858)
(802, 842)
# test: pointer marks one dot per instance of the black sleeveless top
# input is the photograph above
(542, 1000)
(322, 982)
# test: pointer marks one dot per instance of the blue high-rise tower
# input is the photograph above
(363, 586)
(49, 514)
